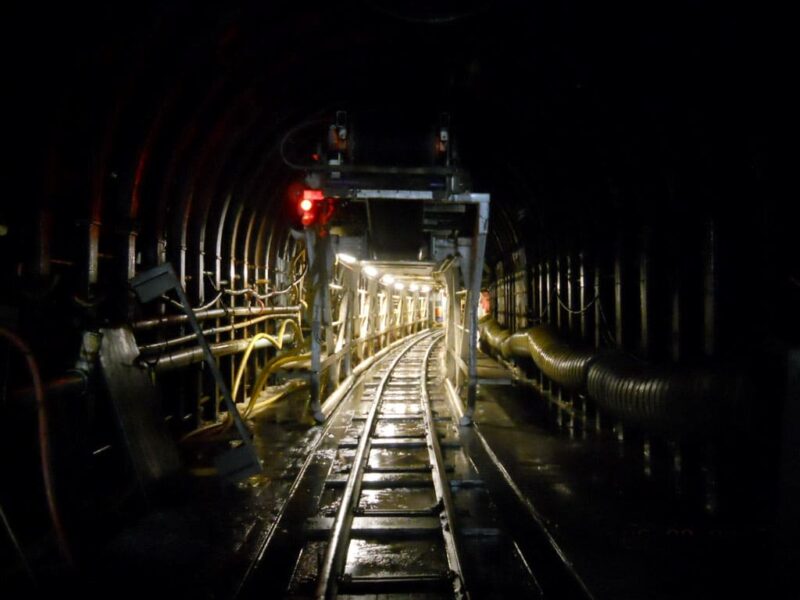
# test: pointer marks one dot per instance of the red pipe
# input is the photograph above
(44, 443)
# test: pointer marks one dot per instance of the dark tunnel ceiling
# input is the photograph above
(565, 113)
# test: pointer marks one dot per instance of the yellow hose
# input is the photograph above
(262, 404)
(269, 368)
(276, 342)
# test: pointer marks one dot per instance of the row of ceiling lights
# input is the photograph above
(387, 279)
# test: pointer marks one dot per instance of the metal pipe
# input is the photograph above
(664, 398)
(216, 313)
(563, 364)
(634, 392)
(72, 382)
(157, 346)
(45, 453)
(189, 356)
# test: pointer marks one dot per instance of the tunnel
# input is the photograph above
(421, 299)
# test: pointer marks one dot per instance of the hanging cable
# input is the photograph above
(610, 340)
(573, 311)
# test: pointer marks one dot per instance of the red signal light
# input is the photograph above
(312, 195)
(314, 207)
(309, 206)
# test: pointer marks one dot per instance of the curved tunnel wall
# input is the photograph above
(150, 132)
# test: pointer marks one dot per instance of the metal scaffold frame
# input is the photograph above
(380, 314)
(368, 315)
(460, 274)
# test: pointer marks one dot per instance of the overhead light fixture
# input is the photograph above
(370, 271)
(346, 258)
(387, 279)
(426, 288)
(399, 286)
(413, 287)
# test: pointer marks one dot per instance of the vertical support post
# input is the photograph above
(570, 292)
(598, 314)
(93, 255)
(318, 249)
(540, 285)
(644, 291)
(478, 250)
(583, 295)
(676, 345)
(710, 291)
(352, 315)
(373, 314)
(549, 283)
(789, 507)
(618, 301)
(558, 275)
(452, 336)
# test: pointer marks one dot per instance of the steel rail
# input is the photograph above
(440, 483)
(336, 552)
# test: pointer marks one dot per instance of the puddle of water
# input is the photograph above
(368, 558)
(400, 408)
(399, 429)
(397, 498)
(395, 457)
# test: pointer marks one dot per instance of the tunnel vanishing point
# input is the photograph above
(397, 299)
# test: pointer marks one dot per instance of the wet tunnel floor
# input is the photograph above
(626, 534)
(626, 527)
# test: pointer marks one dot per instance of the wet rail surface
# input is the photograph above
(390, 504)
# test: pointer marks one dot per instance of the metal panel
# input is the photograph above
(136, 405)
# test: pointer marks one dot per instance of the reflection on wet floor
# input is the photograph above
(415, 428)
(400, 408)
(398, 457)
(617, 512)
(372, 558)
(398, 499)
(397, 537)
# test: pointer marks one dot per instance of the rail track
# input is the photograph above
(391, 506)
